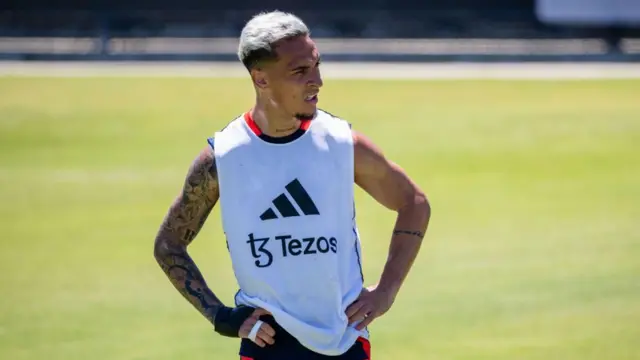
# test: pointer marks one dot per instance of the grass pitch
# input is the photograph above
(533, 251)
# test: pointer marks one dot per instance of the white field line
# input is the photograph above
(331, 70)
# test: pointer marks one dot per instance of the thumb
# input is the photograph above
(259, 312)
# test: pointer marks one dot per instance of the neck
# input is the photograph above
(273, 122)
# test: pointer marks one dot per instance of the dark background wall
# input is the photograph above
(358, 19)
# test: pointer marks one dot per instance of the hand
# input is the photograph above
(265, 334)
(372, 303)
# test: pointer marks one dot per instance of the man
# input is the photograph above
(284, 174)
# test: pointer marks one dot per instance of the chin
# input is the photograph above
(305, 115)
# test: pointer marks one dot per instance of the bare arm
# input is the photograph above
(387, 183)
(181, 225)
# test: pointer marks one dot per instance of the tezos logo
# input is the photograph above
(263, 250)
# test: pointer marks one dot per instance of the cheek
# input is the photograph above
(293, 91)
(288, 91)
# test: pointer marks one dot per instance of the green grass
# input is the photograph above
(533, 251)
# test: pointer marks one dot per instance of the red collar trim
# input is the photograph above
(304, 124)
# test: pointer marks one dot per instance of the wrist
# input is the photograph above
(228, 320)
(219, 311)
(389, 289)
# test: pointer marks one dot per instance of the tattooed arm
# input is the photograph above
(182, 223)
(388, 184)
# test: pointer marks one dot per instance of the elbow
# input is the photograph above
(159, 249)
(166, 246)
(417, 206)
(422, 205)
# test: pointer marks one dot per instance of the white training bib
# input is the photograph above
(289, 218)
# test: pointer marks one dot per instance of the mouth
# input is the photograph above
(313, 98)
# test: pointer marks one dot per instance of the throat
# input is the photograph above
(274, 131)
(284, 131)
(280, 128)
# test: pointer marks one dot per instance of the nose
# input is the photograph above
(315, 78)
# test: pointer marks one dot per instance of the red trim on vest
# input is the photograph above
(304, 124)
(252, 124)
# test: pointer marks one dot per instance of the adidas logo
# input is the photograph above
(286, 208)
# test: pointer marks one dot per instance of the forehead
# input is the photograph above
(295, 50)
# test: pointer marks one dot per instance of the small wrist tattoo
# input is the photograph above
(408, 232)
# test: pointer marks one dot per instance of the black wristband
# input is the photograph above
(229, 320)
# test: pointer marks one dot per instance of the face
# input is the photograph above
(293, 81)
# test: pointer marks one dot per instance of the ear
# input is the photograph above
(260, 78)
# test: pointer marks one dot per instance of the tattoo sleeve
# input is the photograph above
(181, 225)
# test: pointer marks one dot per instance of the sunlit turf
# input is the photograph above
(533, 251)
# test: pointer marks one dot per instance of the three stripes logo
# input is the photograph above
(284, 206)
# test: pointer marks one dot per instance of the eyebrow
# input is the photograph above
(302, 67)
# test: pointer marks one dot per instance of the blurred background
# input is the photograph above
(533, 250)
(439, 30)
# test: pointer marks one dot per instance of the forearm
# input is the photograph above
(187, 278)
(409, 230)
(181, 225)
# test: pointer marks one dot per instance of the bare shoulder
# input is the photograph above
(192, 206)
(205, 162)
(202, 177)
(368, 156)
(382, 178)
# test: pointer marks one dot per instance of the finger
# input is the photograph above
(365, 322)
(246, 327)
(250, 321)
(259, 342)
(353, 308)
(244, 332)
(265, 337)
(362, 308)
(361, 314)
(268, 329)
